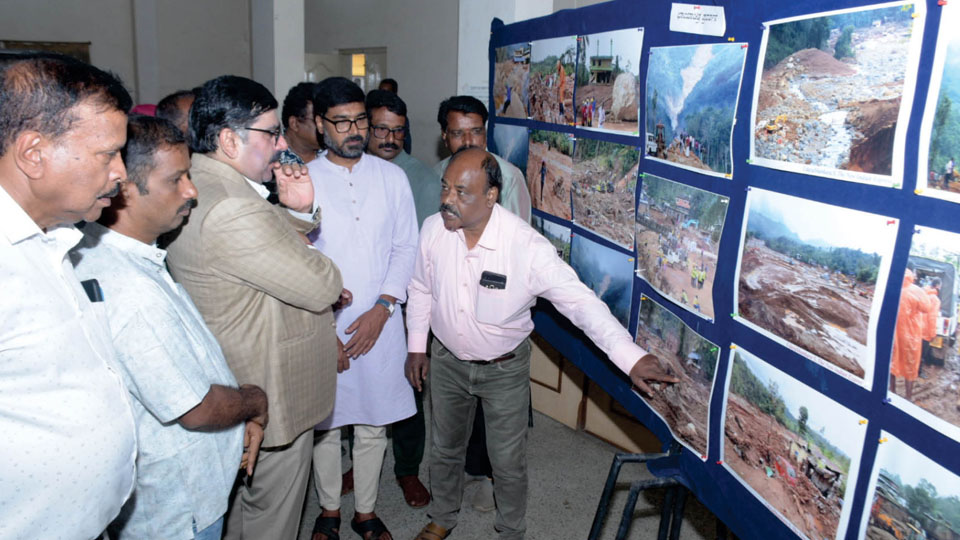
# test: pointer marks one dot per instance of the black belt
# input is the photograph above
(503, 358)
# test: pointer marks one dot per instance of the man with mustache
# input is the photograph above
(388, 118)
(69, 439)
(463, 122)
(190, 413)
(479, 271)
(264, 293)
(370, 232)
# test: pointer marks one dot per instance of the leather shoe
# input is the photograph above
(414, 492)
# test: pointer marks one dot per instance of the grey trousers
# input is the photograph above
(272, 506)
(504, 391)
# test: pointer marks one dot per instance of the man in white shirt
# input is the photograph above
(190, 412)
(68, 441)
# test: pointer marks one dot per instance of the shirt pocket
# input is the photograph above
(492, 306)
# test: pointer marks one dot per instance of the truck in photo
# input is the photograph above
(926, 269)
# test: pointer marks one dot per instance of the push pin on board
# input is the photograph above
(734, 315)
(749, 161)
(891, 222)
(896, 185)
(733, 346)
(883, 440)
(731, 38)
(914, 15)
(887, 400)
(719, 462)
(941, 2)
(703, 457)
(715, 349)
(862, 421)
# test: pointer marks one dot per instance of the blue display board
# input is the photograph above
(826, 130)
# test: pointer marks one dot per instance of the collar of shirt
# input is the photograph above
(148, 252)
(258, 187)
(357, 167)
(15, 223)
(490, 238)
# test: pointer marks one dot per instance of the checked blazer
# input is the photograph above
(264, 293)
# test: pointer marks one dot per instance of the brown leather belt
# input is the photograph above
(503, 358)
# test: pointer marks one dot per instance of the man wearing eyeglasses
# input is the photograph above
(463, 122)
(263, 292)
(370, 231)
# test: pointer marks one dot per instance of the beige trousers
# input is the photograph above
(272, 505)
(369, 444)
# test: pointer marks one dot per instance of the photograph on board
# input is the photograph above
(511, 74)
(512, 144)
(684, 406)
(924, 365)
(557, 234)
(691, 103)
(552, 65)
(910, 496)
(550, 171)
(608, 81)
(604, 183)
(678, 241)
(607, 271)
(938, 174)
(834, 92)
(811, 275)
(796, 449)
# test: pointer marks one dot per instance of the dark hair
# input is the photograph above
(385, 98)
(295, 104)
(334, 91)
(38, 92)
(462, 104)
(146, 135)
(935, 282)
(391, 83)
(226, 102)
(168, 107)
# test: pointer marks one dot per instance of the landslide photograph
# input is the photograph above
(511, 74)
(550, 171)
(691, 103)
(604, 182)
(912, 498)
(938, 174)
(557, 234)
(678, 241)
(683, 406)
(797, 450)
(608, 81)
(552, 66)
(924, 365)
(810, 276)
(830, 92)
(511, 144)
(608, 272)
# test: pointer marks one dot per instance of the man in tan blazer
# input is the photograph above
(264, 293)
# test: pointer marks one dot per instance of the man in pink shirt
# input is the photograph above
(479, 270)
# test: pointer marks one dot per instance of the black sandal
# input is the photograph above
(372, 525)
(328, 526)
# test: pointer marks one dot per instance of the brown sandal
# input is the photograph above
(432, 532)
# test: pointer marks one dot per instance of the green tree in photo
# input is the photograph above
(843, 48)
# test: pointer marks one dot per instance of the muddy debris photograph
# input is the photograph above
(938, 173)
(924, 364)
(511, 74)
(678, 241)
(797, 450)
(550, 171)
(811, 274)
(911, 496)
(511, 144)
(831, 90)
(604, 183)
(552, 66)
(608, 81)
(608, 272)
(687, 355)
(691, 103)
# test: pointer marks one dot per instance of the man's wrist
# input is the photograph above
(386, 304)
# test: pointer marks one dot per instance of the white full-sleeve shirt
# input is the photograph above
(67, 434)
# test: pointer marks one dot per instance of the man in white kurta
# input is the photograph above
(369, 230)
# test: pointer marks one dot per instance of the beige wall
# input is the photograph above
(106, 24)
(421, 41)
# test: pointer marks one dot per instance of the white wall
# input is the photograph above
(107, 24)
(421, 41)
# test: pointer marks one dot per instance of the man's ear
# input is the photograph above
(229, 142)
(30, 150)
(318, 120)
(492, 195)
(443, 136)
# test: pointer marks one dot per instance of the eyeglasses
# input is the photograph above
(275, 132)
(381, 132)
(343, 126)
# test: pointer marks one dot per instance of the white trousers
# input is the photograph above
(369, 444)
